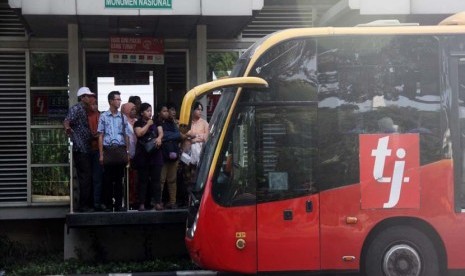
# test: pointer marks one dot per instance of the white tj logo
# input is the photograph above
(380, 154)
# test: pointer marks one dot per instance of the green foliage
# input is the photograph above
(220, 63)
(55, 265)
(10, 251)
(52, 181)
(49, 69)
(17, 260)
(49, 146)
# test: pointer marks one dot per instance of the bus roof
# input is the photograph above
(454, 24)
(456, 19)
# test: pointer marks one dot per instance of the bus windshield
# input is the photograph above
(218, 119)
(216, 126)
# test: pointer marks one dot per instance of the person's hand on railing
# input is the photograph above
(67, 127)
(69, 131)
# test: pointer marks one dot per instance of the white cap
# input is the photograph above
(84, 91)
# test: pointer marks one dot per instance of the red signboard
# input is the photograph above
(40, 105)
(389, 170)
(136, 45)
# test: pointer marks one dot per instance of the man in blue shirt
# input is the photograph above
(114, 131)
(77, 128)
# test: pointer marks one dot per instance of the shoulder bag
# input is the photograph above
(148, 143)
(115, 154)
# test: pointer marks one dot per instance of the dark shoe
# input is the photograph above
(103, 208)
(99, 207)
(86, 210)
(171, 206)
(158, 207)
(120, 209)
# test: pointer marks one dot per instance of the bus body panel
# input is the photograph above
(436, 210)
(292, 242)
(214, 243)
(435, 198)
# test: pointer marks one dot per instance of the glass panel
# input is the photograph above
(235, 182)
(382, 85)
(49, 146)
(261, 153)
(290, 69)
(273, 131)
(49, 69)
(50, 184)
(220, 64)
(461, 115)
(285, 151)
(49, 107)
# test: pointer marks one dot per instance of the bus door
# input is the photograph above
(457, 83)
(287, 202)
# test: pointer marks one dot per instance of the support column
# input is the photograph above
(202, 62)
(74, 62)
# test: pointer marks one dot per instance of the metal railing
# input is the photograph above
(71, 177)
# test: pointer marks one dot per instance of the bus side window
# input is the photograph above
(285, 152)
(268, 155)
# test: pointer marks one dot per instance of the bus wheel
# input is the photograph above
(401, 250)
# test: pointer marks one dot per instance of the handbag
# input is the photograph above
(149, 144)
(170, 150)
(115, 155)
(196, 149)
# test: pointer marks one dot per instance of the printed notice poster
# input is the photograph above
(140, 50)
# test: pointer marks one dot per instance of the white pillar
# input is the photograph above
(202, 62)
(74, 62)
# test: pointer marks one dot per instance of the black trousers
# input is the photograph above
(83, 165)
(113, 185)
(149, 187)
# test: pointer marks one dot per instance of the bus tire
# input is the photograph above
(401, 250)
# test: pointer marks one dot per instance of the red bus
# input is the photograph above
(336, 149)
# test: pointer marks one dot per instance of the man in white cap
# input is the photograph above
(77, 128)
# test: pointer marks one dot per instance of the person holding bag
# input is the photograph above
(196, 137)
(148, 159)
(198, 133)
(114, 151)
(170, 149)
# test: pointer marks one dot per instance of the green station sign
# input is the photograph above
(139, 4)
